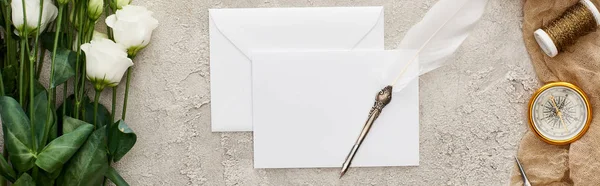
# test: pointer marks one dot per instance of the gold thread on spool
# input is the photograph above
(575, 22)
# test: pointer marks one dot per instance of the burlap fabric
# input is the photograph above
(578, 163)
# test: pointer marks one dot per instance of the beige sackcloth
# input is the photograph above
(578, 163)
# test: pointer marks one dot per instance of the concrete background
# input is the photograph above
(472, 111)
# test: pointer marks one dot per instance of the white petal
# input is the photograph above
(50, 11)
(49, 15)
(17, 13)
(127, 34)
(85, 47)
(120, 68)
(133, 13)
(33, 12)
(111, 20)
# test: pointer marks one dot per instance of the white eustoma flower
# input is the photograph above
(132, 27)
(119, 4)
(49, 13)
(106, 62)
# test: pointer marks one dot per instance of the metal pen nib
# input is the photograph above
(383, 98)
(525, 180)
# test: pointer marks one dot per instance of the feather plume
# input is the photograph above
(443, 29)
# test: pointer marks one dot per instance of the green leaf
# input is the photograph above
(24, 180)
(15, 119)
(17, 134)
(64, 66)
(103, 117)
(47, 39)
(46, 179)
(69, 102)
(121, 140)
(9, 76)
(53, 131)
(6, 171)
(88, 165)
(60, 150)
(38, 88)
(54, 174)
(114, 176)
(71, 124)
(41, 117)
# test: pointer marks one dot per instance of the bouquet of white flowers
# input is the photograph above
(75, 142)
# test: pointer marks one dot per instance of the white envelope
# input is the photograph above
(235, 32)
(309, 109)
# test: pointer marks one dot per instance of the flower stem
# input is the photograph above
(1, 84)
(115, 177)
(40, 63)
(24, 45)
(77, 73)
(22, 92)
(107, 12)
(82, 90)
(78, 62)
(87, 38)
(64, 109)
(52, 91)
(32, 60)
(96, 98)
(9, 44)
(114, 105)
(55, 44)
(31, 98)
(112, 121)
(10, 56)
(21, 72)
(126, 94)
(37, 38)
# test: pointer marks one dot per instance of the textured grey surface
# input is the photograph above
(472, 111)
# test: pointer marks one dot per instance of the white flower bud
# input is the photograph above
(95, 8)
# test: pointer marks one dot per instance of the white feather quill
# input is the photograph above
(443, 29)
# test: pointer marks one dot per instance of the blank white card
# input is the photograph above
(309, 108)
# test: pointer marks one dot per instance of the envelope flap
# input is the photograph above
(263, 28)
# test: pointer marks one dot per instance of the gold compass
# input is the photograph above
(559, 113)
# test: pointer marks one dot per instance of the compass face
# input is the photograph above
(559, 114)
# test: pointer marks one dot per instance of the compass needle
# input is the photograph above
(562, 121)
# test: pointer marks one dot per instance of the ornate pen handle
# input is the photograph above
(383, 98)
